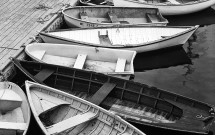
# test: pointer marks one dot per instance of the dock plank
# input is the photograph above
(19, 23)
(19, 27)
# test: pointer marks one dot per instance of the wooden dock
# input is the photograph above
(20, 22)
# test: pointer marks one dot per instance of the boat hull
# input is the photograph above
(15, 111)
(137, 98)
(99, 16)
(167, 42)
(169, 9)
(95, 58)
(58, 112)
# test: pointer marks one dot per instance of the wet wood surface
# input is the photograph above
(20, 22)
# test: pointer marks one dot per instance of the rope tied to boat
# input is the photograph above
(50, 15)
(42, 6)
(46, 18)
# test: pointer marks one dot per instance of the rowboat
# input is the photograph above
(140, 39)
(106, 16)
(57, 112)
(118, 63)
(166, 7)
(14, 110)
(96, 2)
(133, 101)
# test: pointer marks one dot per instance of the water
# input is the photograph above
(195, 79)
(187, 70)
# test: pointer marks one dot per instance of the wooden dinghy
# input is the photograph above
(108, 61)
(14, 110)
(58, 112)
(106, 16)
(132, 101)
(140, 39)
(166, 7)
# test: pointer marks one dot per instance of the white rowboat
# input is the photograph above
(140, 39)
(57, 112)
(14, 110)
(103, 60)
(106, 16)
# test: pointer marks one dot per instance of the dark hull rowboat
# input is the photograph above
(132, 101)
(58, 112)
(15, 111)
(140, 39)
(106, 16)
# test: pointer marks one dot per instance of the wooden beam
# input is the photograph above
(79, 63)
(71, 122)
(120, 65)
(102, 93)
(44, 74)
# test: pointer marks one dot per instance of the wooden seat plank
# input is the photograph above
(44, 74)
(13, 126)
(79, 63)
(113, 17)
(71, 122)
(102, 93)
(153, 18)
(9, 100)
(120, 65)
(84, 16)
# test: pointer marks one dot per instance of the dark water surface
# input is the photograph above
(187, 70)
(194, 78)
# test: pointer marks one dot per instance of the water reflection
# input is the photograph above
(160, 59)
(189, 68)
(204, 17)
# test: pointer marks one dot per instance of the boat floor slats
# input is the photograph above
(120, 65)
(44, 74)
(113, 17)
(79, 63)
(84, 16)
(71, 122)
(102, 93)
(13, 126)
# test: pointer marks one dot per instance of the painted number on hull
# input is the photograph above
(91, 25)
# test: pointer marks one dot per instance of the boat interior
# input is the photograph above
(66, 115)
(117, 15)
(14, 111)
(119, 37)
(87, 58)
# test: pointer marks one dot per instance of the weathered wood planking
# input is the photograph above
(19, 24)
